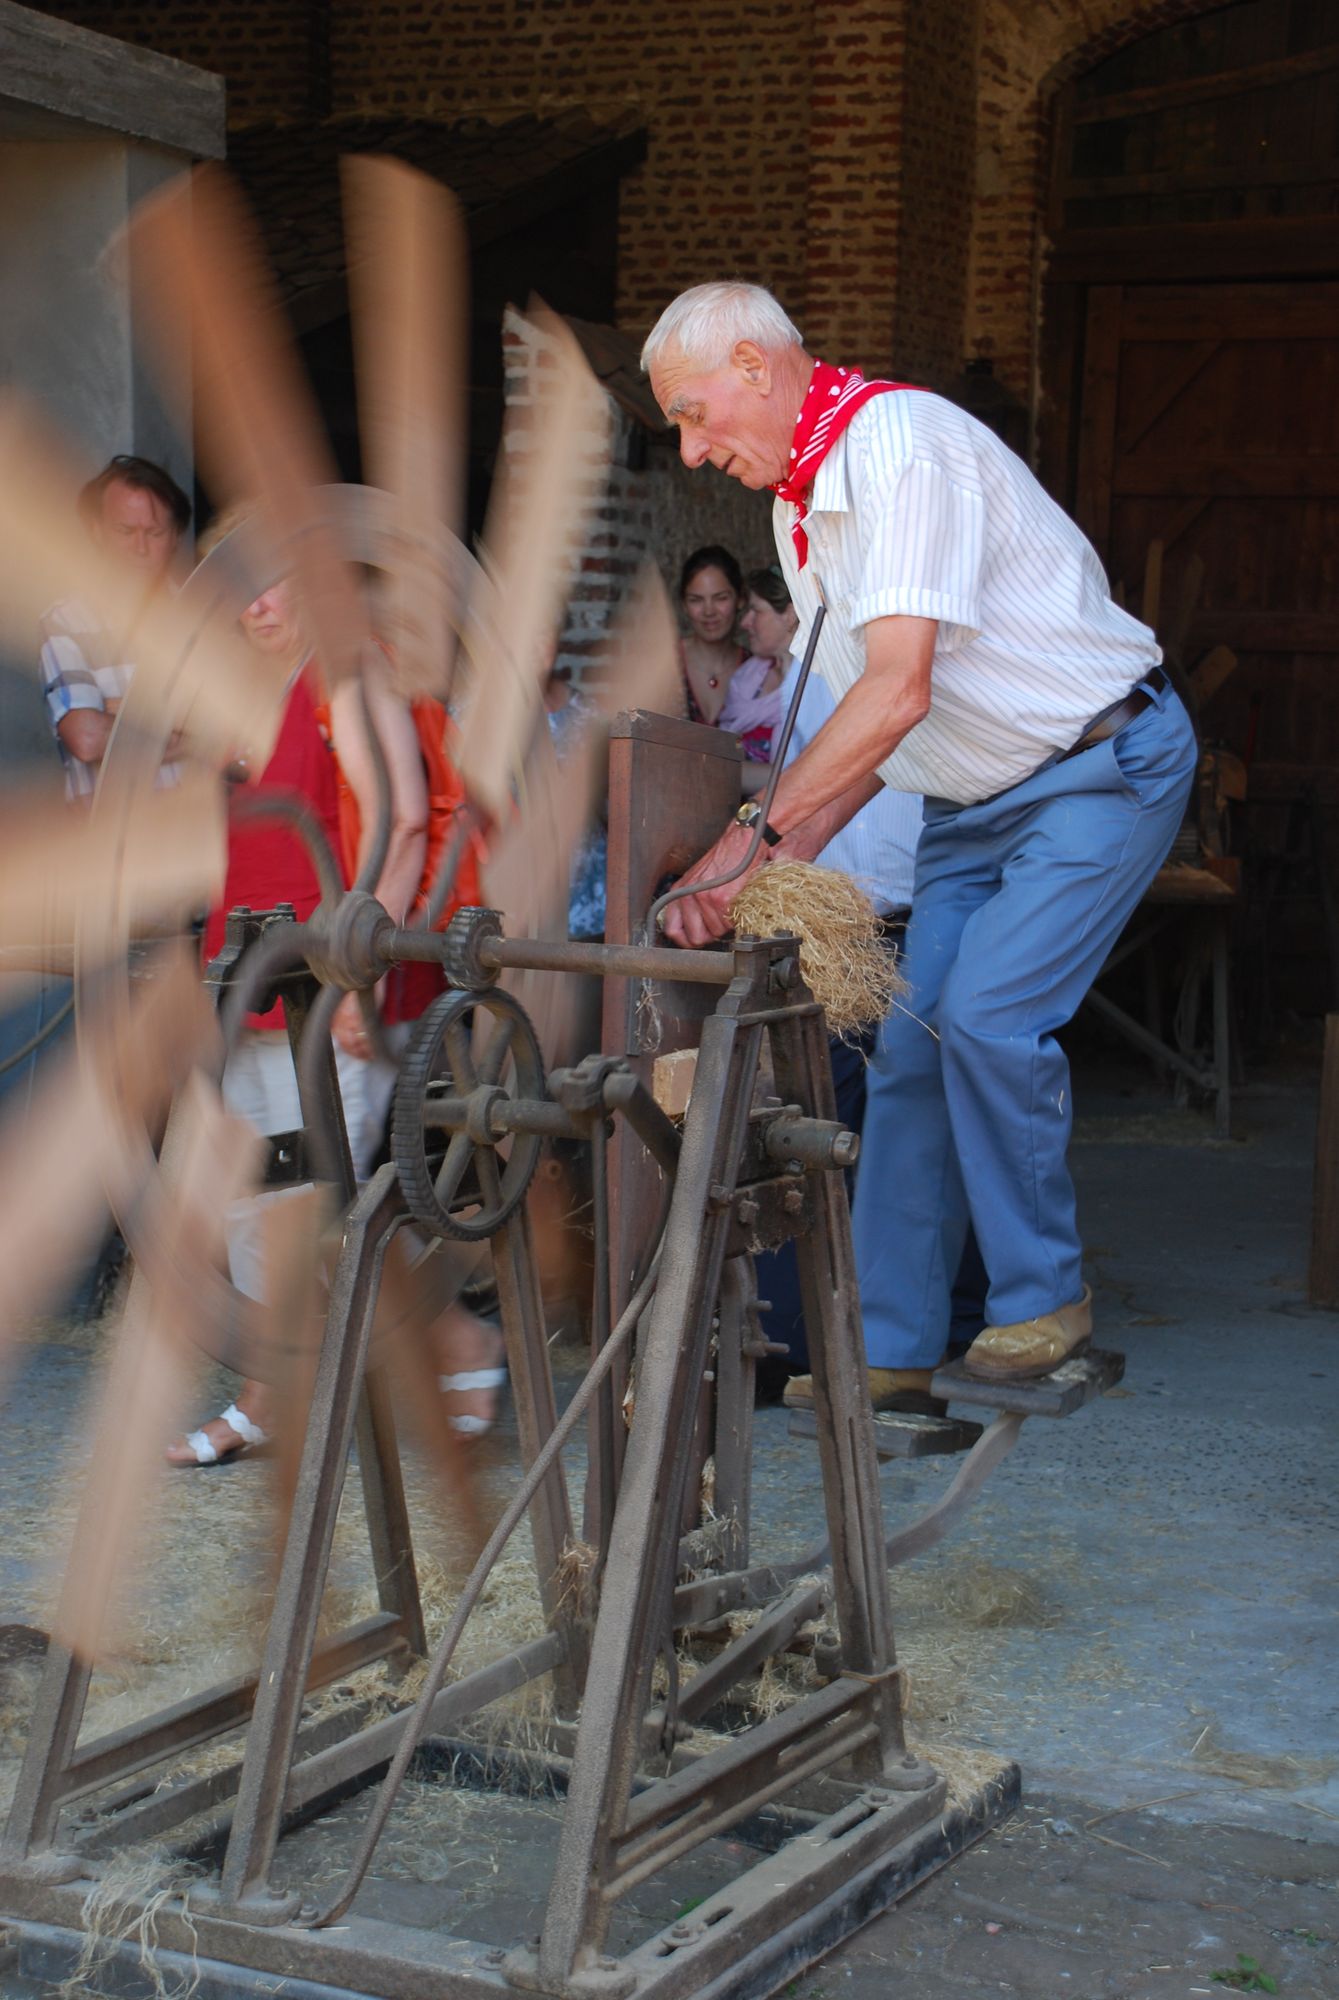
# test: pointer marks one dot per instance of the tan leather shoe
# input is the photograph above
(906, 1389)
(1032, 1347)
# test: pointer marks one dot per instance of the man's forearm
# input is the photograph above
(806, 841)
(866, 726)
(86, 732)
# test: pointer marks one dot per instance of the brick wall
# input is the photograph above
(938, 178)
(1028, 49)
(878, 163)
(725, 99)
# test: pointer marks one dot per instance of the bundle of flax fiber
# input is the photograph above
(846, 966)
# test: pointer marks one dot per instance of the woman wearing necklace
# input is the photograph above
(752, 705)
(711, 591)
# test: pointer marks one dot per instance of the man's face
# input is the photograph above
(271, 623)
(731, 417)
(136, 530)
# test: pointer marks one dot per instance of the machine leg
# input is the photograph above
(522, 1306)
(639, 1575)
(842, 1409)
(286, 1663)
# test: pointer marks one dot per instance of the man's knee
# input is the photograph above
(969, 1017)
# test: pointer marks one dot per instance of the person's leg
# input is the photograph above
(1076, 862)
(259, 1084)
(909, 1217)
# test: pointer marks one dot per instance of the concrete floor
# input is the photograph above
(1140, 1611)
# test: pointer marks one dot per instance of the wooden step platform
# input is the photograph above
(1066, 1389)
(898, 1435)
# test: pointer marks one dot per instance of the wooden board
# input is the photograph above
(111, 85)
(1065, 1389)
(672, 787)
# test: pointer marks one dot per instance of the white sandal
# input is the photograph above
(251, 1437)
(475, 1378)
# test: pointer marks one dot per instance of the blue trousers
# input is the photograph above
(1017, 903)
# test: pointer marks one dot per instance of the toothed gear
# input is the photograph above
(471, 1172)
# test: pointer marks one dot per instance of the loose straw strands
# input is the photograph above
(846, 966)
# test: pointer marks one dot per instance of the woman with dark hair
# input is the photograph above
(752, 706)
(711, 591)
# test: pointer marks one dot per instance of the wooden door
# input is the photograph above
(1209, 420)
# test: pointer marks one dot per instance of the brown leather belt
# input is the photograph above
(1112, 720)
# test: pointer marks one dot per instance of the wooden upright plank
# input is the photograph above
(1323, 1278)
(1097, 417)
(672, 787)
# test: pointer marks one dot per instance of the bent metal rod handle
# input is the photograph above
(662, 903)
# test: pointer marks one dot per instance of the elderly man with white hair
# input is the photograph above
(976, 657)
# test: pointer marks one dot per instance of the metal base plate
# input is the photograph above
(1066, 1388)
(835, 1878)
(898, 1434)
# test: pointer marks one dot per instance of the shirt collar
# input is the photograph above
(828, 494)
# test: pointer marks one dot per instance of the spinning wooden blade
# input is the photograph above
(529, 869)
(64, 1163)
(196, 675)
(408, 287)
(260, 439)
(208, 1159)
(554, 460)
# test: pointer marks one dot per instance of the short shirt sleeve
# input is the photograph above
(924, 546)
(68, 681)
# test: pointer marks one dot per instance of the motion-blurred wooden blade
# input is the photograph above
(164, 859)
(553, 467)
(529, 867)
(408, 292)
(201, 677)
(62, 1163)
(209, 1158)
(291, 1318)
(222, 335)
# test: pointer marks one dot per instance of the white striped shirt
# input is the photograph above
(877, 848)
(83, 667)
(920, 511)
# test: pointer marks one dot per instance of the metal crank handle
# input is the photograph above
(779, 749)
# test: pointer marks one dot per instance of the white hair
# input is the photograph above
(706, 323)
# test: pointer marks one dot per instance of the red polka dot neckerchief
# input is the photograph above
(833, 397)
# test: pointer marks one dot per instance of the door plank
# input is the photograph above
(1097, 419)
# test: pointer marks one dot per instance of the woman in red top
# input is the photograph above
(321, 753)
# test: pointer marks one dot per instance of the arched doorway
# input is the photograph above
(1191, 363)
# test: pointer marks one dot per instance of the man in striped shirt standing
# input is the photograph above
(136, 514)
(976, 657)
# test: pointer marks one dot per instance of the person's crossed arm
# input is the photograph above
(830, 781)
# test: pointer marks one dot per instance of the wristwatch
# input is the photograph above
(748, 816)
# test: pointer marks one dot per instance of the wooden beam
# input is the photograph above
(1285, 246)
(110, 85)
(1175, 379)
(1322, 1287)
(1097, 413)
(1284, 476)
(1265, 631)
(1202, 180)
(1232, 312)
(1204, 89)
